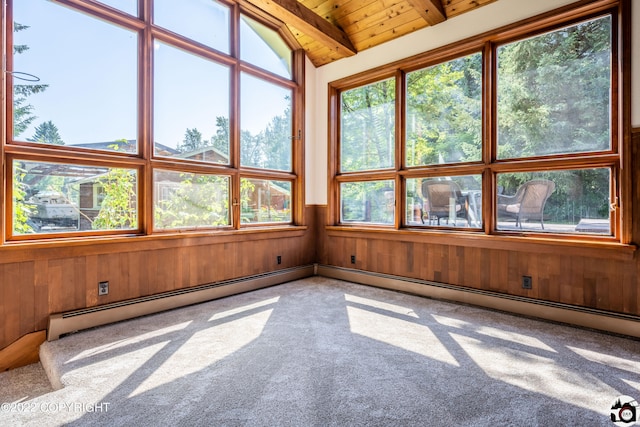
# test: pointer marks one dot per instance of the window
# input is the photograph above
(90, 102)
(61, 198)
(539, 155)
(188, 200)
(199, 129)
(265, 201)
(128, 124)
(444, 114)
(265, 140)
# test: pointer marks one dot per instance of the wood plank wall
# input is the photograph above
(35, 283)
(611, 284)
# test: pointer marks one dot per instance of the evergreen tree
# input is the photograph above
(46, 133)
(192, 141)
(22, 111)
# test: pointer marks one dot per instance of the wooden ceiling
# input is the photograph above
(329, 30)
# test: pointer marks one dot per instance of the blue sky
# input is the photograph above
(91, 69)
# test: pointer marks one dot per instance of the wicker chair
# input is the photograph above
(528, 202)
(441, 195)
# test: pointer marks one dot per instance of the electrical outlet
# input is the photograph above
(103, 288)
(279, 258)
(353, 259)
(527, 282)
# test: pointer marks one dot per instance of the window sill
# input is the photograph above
(566, 246)
(16, 251)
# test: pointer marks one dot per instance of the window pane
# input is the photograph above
(368, 202)
(452, 201)
(554, 92)
(265, 201)
(59, 198)
(444, 116)
(205, 21)
(129, 6)
(262, 46)
(367, 127)
(265, 118)
(191, 106)
(87, 93)
(571, 201)
(188, 200)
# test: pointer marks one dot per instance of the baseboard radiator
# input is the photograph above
(563, 313)
(72, 321)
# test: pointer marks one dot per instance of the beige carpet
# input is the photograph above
(321, 352)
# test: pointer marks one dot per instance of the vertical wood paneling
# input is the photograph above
(91, 283)
(9, 277)
(41, 294)
(27, 297)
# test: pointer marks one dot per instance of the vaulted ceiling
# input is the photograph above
(329, 30)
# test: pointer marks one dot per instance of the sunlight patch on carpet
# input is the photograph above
(204, 348)
(532, 372)
(122, 343)
(242, 309)
(502, 334)
(415, 337)
(607, 359)
(405, 311)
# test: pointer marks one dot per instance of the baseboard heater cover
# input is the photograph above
(76, 320)
(557, 312)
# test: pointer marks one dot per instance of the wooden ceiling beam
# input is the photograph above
(299, 16)
(431, 11)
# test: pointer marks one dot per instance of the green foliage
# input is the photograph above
(46, 133)
(194, 201)
(22, 111)
(444, 116)
(265, 201)
(554, 92)
(271, 148)
(119, 205)
(118, 209)
(192, 141)
(220, 141)
(368, 127)
(21, 209)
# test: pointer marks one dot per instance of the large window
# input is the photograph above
(124, 123)
(535, 152)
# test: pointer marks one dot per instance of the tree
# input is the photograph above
(119, 205)
(444, 115)
(220, 141)
(21, 209)
(46, 133)
(197, 201)
(22, 112)
(554, 98)
(368, 127)
(118, 208)
(192, 141)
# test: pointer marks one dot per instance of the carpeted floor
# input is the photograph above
(321, 352)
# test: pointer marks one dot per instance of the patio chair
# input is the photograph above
(441, 195)
(528, 202)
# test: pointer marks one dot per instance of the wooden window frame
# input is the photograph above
(145, 160)
(617, 158)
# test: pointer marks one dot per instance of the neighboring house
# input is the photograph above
(86, 181)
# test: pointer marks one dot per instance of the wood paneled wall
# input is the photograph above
(566, 276)
(44, 279)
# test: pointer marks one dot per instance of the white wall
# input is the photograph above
(483, 19)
